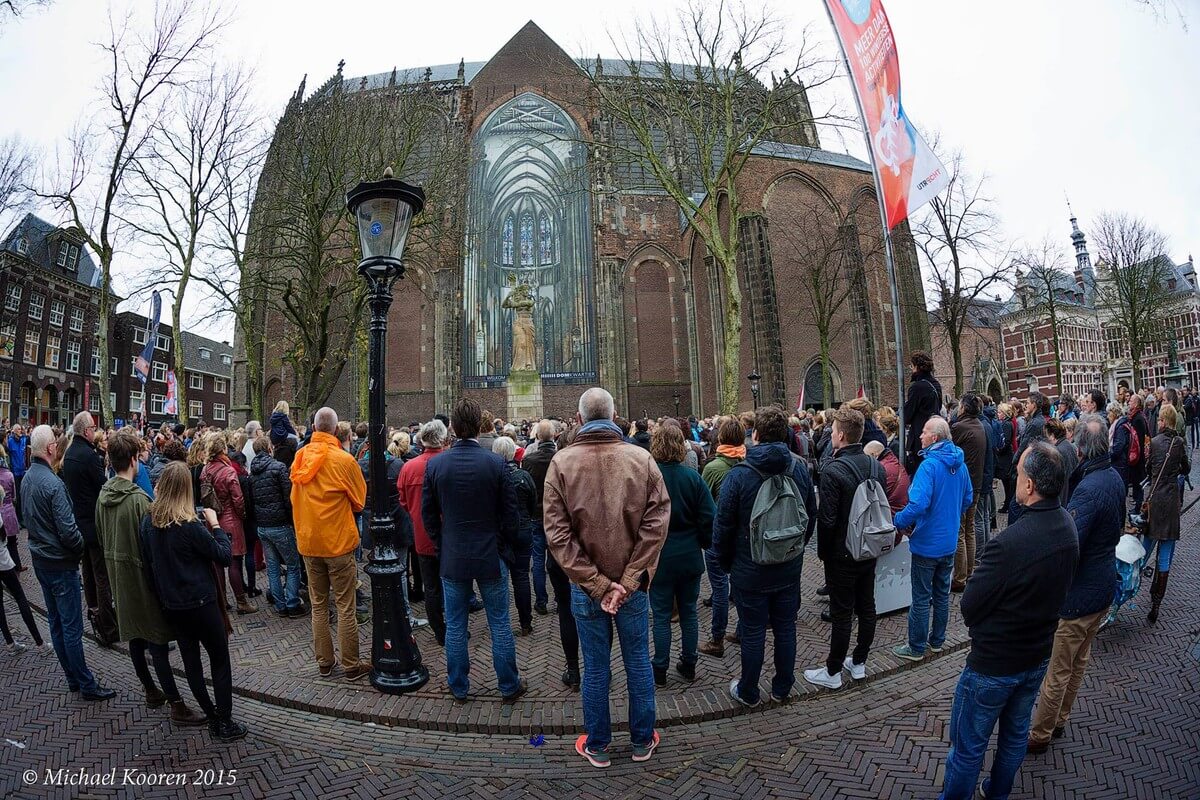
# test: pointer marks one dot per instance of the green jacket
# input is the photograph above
(715, 472)
(119, 512)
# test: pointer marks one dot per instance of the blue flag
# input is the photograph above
(142, 364)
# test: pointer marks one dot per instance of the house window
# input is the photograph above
(94, 403)
(205, 353)
(158, 402)
(53, 351)
(112, 367)
(227, 360)
(64, 252)
(163, 342)
(95, 369)
(37, 304)
(133, 371)
(12, 301)
(219, 412)
(135, 402)
(5, 399)
(23, 249)
(1030, 347)
(219, 385)
(73, 349)
(77, 320)
(58, 310)
(8, 341)
(195, 409)
(73, 259)
(158, 371)
(195, 381)
(139, 335)
(32, 340)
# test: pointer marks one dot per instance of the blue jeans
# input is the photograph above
(64, 610)
(979, 701)
(667, 593)
(983, 515)
(279, 548)
(1166, 551)
(595, 638)
(539, 563)
(930, 581)
(757, 610)
(718, 581)
(457, 595)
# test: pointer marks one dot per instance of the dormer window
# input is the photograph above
(227, 360)
(205, 353)
(64, 252)
(23, 246)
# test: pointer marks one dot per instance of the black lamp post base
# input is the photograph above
(400, 682)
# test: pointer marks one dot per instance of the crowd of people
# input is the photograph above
(156, 528)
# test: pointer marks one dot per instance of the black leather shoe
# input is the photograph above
(1060, 732)
(227, 730)
(100, 693)
(823, 591)
(660, 677)
(570, 678)
(826, 616)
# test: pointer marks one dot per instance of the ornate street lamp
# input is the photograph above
(676, 396)
(384, 210)
(754, 378)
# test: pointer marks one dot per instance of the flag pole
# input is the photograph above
(887, 237)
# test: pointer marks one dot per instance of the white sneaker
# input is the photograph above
(16, 648)
(821, 677)
(857, 671)
(417, 622)
(45, 649)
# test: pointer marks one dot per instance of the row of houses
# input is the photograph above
(49, 352)
(1009, 345)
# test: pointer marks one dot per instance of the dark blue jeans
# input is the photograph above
(279, 549)
(457, 595)
(979, 702)
(64, 610)
(666, 593)
(930, 583)
(718, 581)
(539, 563)
(757, 610)
(595, 638)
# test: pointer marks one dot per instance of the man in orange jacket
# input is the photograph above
(327, 490)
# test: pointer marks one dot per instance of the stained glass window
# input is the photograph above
(507, 240)
(527, 240)
(546, 251)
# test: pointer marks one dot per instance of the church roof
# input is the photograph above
(37, 232)
(796, 152)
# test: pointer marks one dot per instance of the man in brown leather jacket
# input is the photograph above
(606, 510)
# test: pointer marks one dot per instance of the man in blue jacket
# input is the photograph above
(469, 507)
(1097, 505)
(18, 445)
(940, 494)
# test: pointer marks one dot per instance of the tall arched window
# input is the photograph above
(507, 242)
(814, 389)
(546, 242)
(526, 240)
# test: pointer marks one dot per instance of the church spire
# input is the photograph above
(1084, 275)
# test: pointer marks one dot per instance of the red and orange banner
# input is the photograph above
(908, 171)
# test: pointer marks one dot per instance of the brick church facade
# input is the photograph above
(626, 295)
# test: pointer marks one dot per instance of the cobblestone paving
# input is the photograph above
(1135, 733)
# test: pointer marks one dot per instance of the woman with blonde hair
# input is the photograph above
(281, 424)
(889, 422)
(181, 552)
(1168, 461)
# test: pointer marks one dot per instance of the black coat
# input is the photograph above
(536, 464)
(924, 401)
(83, 473)
(180, 559)
(1098, 507)
(272, 491)
(1011, 604)
(838, 485)
(528, 505)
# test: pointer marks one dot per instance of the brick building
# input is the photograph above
(1092, 351)
(625, 295)
(208, 370)
(983, 365)
(48, 324)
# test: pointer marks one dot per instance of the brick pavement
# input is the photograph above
(1135, 733)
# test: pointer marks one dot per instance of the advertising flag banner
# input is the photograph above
(909, 173)
(170, 407)
(141, 365)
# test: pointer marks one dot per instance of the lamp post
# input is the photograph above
(754, 379)
(1032, 382)
(676, 396)
(384, 210)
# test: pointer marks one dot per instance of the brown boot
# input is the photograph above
(244, 607)
(155, 697)
(182, 714)
(1157, 590)
(715, 647)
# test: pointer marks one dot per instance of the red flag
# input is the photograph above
(861, 393)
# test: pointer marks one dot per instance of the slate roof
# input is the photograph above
(437, 73)
(192, 361)
(796, 152)
(36, 231)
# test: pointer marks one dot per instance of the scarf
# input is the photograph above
(731, 451)
(602, 425)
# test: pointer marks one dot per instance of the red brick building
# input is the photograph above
(625, 295)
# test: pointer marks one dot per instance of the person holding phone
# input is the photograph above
(180, 553)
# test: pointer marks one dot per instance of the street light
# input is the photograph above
(754, 378)
(384, 209)
(1032, 382)
(676, 396)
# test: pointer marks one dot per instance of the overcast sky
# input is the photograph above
(1095, 99)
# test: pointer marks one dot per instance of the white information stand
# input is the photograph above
(893, 580)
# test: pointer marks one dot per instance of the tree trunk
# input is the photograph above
(956, 350)
(181, 381)
(733, 336)
(1057, 352)
(102, 335)
(826, 375)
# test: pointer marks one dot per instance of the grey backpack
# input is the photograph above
(869, 530)
(778, 521)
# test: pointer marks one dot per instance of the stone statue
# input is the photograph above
(1173, 354)
(520, 300)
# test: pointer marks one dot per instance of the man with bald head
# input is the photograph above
(327, 491)
(606, 511)
(941, 491)
(83, 473)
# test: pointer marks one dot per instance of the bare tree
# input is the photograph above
(696, 96)
(303, 239)
(145, 68)
(959, 235)
(1042, 289)
(1135, 283)
(1165, 10)
(178, 191)
(14, 9)
(16, 168)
